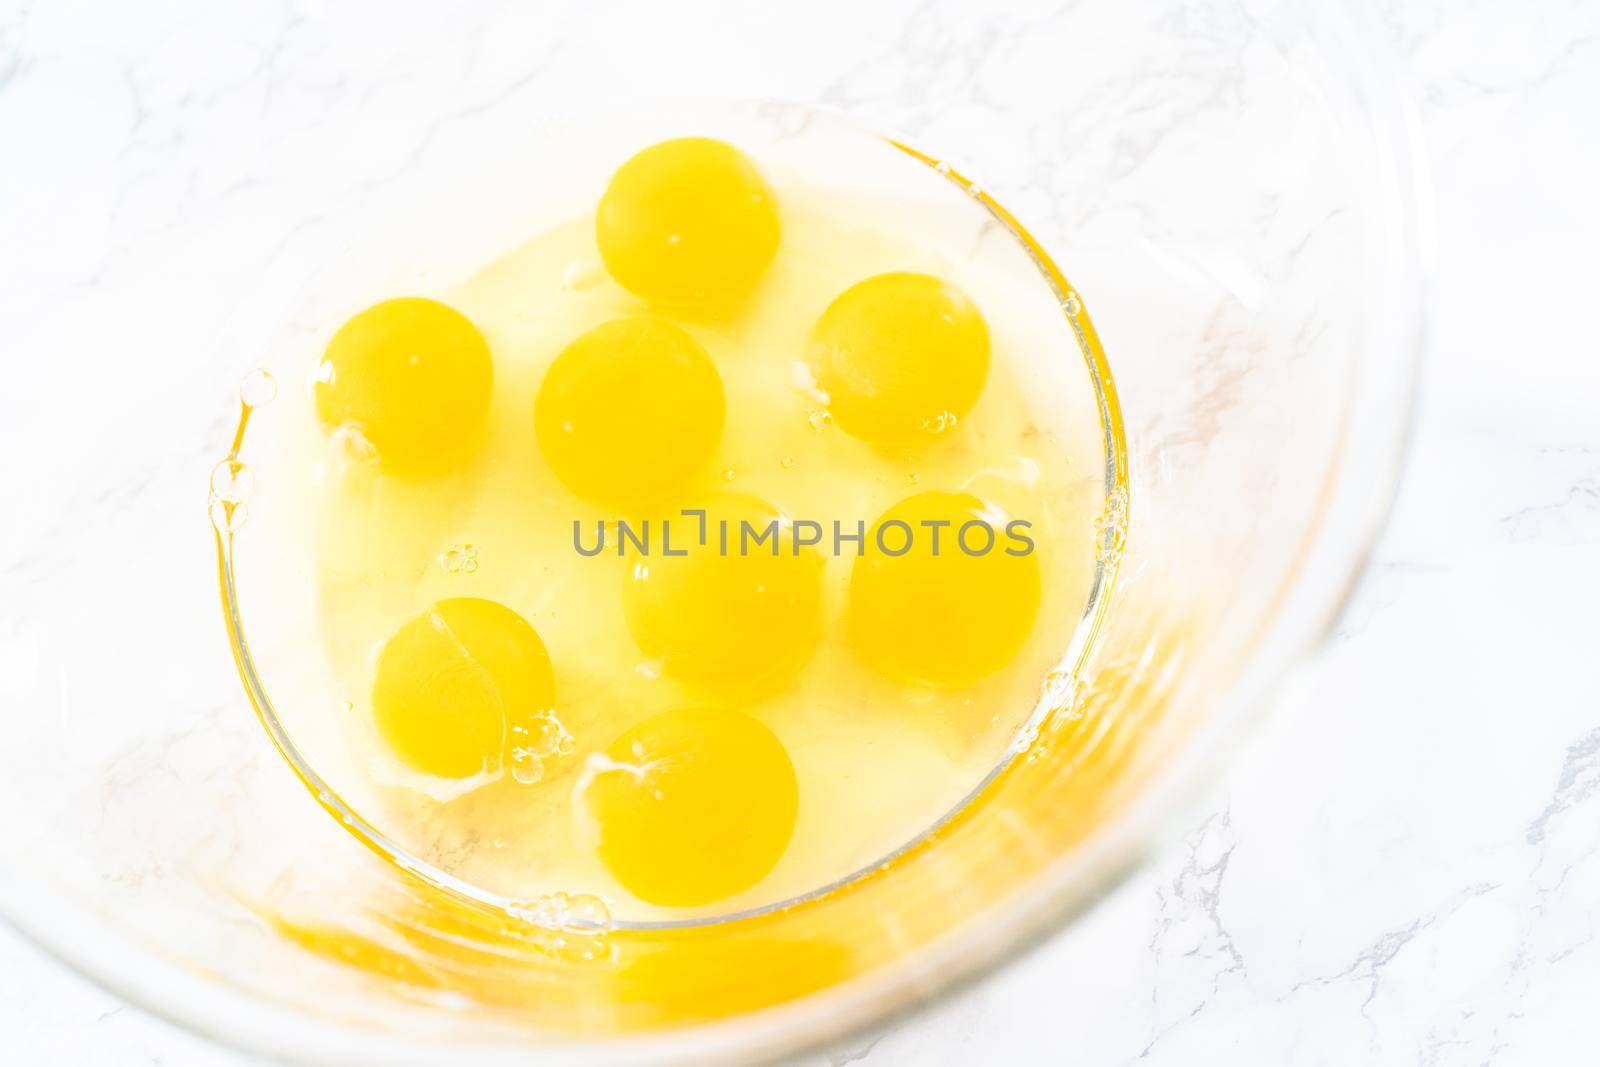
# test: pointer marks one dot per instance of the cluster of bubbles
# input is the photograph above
(232, 483)
(569, 925)
(1111, 528)
(536, 740)
(460, 559)
(577, 912)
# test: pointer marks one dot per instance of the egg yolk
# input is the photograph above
(693, 806)
(629, 411)
(939, 613)
(900, 356)
(690, 222)
(414, 377)
(451, 681)
(734, 613)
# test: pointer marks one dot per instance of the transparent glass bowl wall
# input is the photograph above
(1232, 193)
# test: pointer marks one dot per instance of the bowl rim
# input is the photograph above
(1105, 563)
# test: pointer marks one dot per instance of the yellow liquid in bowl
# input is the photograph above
(500, 621)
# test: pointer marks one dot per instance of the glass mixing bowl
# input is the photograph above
(1233, 190)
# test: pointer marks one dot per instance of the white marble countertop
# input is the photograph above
(1444, 909)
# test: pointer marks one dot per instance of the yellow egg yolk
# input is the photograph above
(693, 806)
(940, 613)
(453, 680)
(630, 411)
(735, 613)
(413, 377)
(901, 357)
(689, 221)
